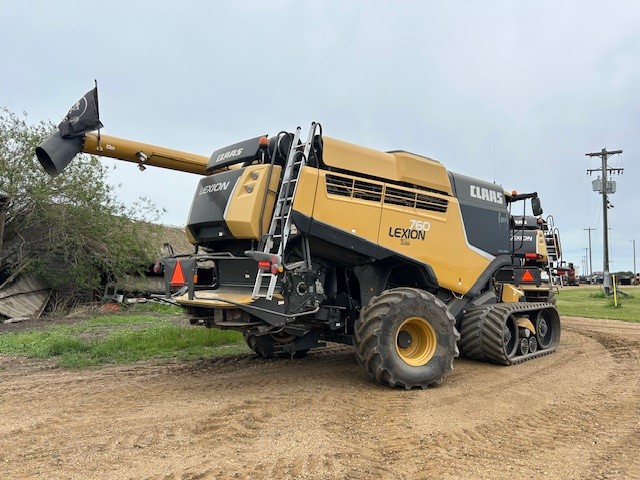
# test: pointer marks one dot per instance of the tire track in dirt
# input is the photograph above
(531, 426)
(573, 414)
(541, 429)
(620, 404)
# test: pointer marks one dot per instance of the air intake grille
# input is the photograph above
(413, 199)
(350, 187)
(373, 192)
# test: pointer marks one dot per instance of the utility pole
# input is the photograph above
(605, 187)
(590, 263)
(634, 257)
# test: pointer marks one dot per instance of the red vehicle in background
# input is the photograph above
(566, 274)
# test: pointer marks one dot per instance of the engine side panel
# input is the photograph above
(343, 202)
(423, 226)
(484, 213)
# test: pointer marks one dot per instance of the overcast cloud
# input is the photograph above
(508, 91)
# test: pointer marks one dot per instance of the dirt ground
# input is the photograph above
(574, 414)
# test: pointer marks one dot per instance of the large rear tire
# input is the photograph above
(406, 338)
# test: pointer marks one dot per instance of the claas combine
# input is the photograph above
(301, 239)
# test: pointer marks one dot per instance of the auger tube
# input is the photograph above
(129, 151)
(56, 152)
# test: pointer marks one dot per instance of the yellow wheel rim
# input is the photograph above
(416, 341)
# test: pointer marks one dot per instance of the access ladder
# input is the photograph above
(554, 251)
(276, 239)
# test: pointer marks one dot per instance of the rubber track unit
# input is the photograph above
(481, 333)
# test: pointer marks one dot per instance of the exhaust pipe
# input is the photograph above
(56, 152)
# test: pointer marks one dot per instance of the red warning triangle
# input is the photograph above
(177, 279)
(527, 277)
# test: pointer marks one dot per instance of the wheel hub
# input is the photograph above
(404, 339)
(542, 327)
(416, 341)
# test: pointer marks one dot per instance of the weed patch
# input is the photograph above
(119, 339)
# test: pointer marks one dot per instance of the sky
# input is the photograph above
(514, 92)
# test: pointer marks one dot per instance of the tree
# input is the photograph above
(70, 231)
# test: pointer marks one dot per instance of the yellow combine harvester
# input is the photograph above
(305, 239)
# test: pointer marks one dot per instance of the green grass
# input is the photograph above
(155, 307)
(120, 338)
(590, 302)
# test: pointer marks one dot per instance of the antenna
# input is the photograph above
(494, 162)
